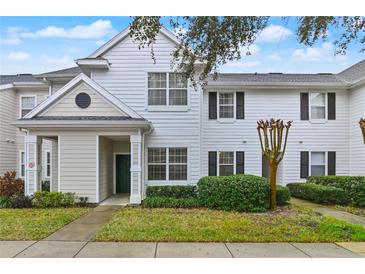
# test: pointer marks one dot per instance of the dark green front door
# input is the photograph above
(122, 173)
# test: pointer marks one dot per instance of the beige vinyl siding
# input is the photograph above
(105, 167)
(357, 147)
(284, 104)
(67, 106)
(7, 131)
(78, 163)
(127, 80)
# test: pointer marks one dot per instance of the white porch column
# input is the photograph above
(136, 169)
(33, 163)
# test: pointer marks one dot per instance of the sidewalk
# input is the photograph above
(329, 211)
(84, 249)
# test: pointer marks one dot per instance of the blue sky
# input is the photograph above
(40, 44)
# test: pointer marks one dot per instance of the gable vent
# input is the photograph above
(83, 100)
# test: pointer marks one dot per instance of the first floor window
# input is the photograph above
(318, 163)
(48, 164)
(167, 164)
(27, 103)
(226, 163)
(318, 105)
(22, 164)
(226, 105)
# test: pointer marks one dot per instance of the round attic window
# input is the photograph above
(83, 100)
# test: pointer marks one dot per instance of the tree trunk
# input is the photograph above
(273, 171)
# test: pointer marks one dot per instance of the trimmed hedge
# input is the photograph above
(238, 192)
(170, 202)
(45, 199)
(353, 185)
(282, 195)
(172, 191)
(319, 193)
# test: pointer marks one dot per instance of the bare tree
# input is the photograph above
(271, 134)
(362, 127)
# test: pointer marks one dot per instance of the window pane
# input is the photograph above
(48, 157)
(178, 155)
(318, 112)
(156, 80)
(225, 170)
(178, 172)
(157, 97)
(226, 111)
(177, 80)
(48, 170)
(178, 97)
(157, 155)
(156, 172)
(28, 102)
(318, 170)
(318, 99)
(226, 157)
(318, 158)
(226, 98)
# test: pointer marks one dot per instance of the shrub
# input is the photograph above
(282, 195)
(319, 193)
(44, 199)
(237, 192)
(4, 202)
(172, 191)
(46, 186)
(170, 202)
(10, 185)
(353, 185)
(21, 201)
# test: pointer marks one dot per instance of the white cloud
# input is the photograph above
(12, 36)
(324, 52)
(274, 57)
(243, 64)
(18, 56)
(274, 33)
(100, 42)
(58, 61)
(96, 30)
(251, 50)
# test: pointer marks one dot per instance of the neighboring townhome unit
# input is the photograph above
(119, 122)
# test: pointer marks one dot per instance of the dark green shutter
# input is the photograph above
(240, 105)
(304, 106)
(331, 169)
(240, 162)
(304, 164)
(212, 105)
(332, 106)
(212, 165)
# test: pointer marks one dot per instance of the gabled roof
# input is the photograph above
(19, 78)
(68, 72)
(354, 73)
(73, 83)
(123, 34)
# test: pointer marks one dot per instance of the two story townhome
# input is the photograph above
(119, 122)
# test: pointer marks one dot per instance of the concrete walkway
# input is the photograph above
(329, 211)
(85, 249)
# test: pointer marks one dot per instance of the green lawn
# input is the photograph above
(291, 224)
(354, 210)
(35, 224)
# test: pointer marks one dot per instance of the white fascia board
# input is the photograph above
(6, 86)
(212, 85)
(93, 63)
(123, 34)
(82, 77)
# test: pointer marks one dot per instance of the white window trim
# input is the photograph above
(314, 120)
(166, 107)
(227, 120)
(50, 164)
(20, 102)
(156, 182)
(20, 164)
(325, 161)
(234, 160)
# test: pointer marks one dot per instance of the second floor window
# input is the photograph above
(27, 103)
(318, 105)
(167, 89)
(226, 105)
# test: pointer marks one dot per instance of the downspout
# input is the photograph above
(149, 131)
